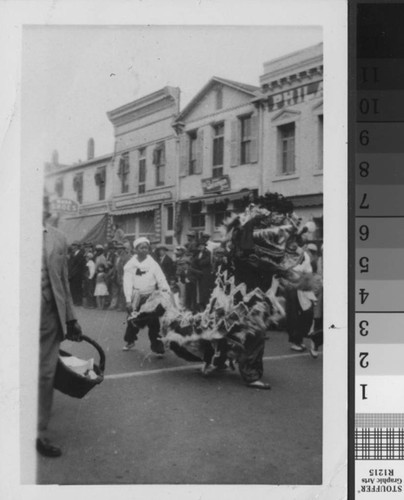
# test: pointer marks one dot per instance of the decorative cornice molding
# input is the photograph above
(286, 114)
(163, 98)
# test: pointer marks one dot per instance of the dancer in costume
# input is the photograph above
(142, 277)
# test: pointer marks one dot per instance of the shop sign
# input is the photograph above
(64, 205)
(295, 96)
(216, 185)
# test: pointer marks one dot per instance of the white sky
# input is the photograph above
(73, 75)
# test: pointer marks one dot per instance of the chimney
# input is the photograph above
(90, 149)
(55, 157)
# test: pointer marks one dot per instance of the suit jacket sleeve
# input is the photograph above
(70, 314)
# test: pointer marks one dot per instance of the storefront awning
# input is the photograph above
(219, 197)
(89, 228)
(135, 210)
(308, 200)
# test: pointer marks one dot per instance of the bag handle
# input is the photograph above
(98, 348)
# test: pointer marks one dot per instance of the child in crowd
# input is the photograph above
(101, 290)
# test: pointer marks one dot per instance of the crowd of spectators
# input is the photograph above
(96, 271)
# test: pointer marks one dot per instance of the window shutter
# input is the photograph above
(184, 143)
(235, 143)
(155, 155)
(199, 152)
(254, 139)
(120, 168)
(163, 153)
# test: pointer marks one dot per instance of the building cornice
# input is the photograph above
(159, 100)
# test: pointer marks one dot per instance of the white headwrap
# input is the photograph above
(139, 241)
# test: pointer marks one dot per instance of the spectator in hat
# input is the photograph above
(77, 268)
(219, 260)
(316, 335)
(191, 245)
(180, 273)
(165, 262)
(119, 233)
(89, 282)
(101, 289)
(112, 279)
(300, 301)
(57, 322)
(124, 254)
(210, 245)
(202, 267)
(100, 257)
(312, 251)
(142, 275)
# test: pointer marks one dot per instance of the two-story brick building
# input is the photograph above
(144, 169)
(79, 195)
(219, 164)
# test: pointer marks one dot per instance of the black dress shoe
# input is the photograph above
(46, 449)
(258, 384)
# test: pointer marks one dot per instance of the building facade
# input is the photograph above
(292, 130)
(175, 171)
(219, 164)
(80, 194)
(144, 170)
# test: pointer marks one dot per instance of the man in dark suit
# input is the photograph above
(57, 321)
(77, 267)
(165, 262)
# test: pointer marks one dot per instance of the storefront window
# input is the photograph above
(197, 218)
(146, 224)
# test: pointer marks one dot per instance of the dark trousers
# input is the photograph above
(51, 335)
(153, 323)
(317, 335)
(250, 362)
(298, 322)
(76, 289)
(190, 296)
(88, 292)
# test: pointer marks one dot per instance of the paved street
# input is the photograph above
(159, 421)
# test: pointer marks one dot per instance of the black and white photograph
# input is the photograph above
(179, 228)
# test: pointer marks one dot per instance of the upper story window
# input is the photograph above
(219, 98)
(218, 150)
(100, 180)
(286, 144)
(59, 187)
(142, 170)
(245, 140)
(78, 187)
(159, 162)
(197, 217)
(192, 152)
(123, 172)
(320, 142)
